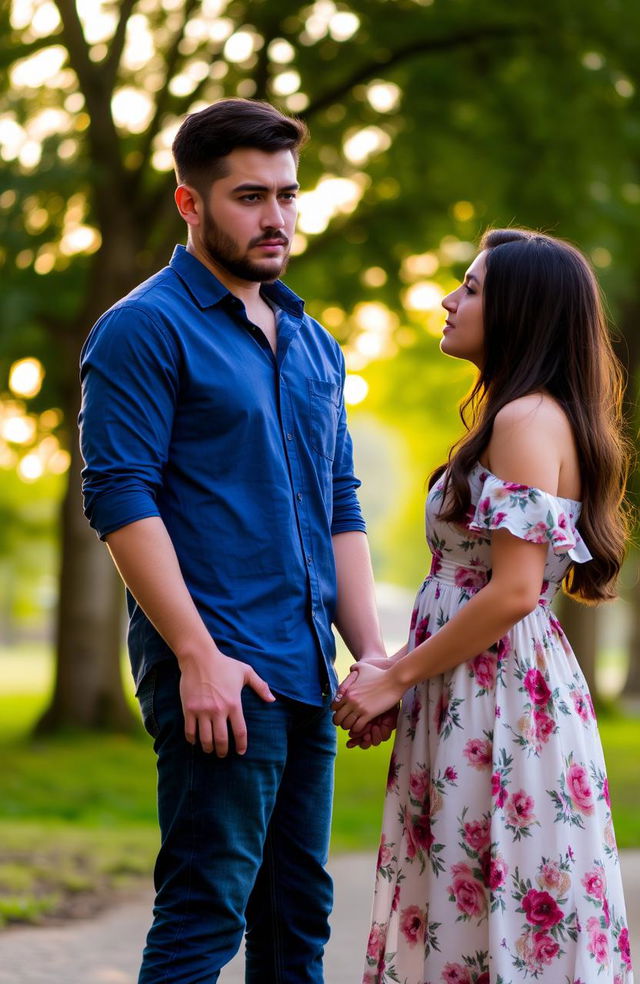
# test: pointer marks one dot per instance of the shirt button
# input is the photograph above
(313, 613)
(309, 559)
(299, 496)
(289, 436)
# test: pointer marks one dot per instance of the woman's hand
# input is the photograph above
(367, 692)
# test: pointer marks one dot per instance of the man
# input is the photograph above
(219, 471)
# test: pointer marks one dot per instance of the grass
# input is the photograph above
(77, 813)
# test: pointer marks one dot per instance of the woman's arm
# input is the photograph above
(523, 449)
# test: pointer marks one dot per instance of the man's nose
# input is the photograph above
(272, 217)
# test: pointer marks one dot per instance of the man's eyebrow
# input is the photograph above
(248, 186)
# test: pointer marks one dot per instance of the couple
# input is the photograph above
(219, 472)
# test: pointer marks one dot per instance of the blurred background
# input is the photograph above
(430, 120)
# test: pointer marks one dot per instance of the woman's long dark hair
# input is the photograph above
(545, 330)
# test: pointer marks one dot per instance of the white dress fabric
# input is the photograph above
(498, 861)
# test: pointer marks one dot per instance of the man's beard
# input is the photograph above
(223, 251)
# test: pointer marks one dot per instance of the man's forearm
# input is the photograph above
(147, 562)
(356, 612)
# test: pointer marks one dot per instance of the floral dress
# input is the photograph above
(498, 860)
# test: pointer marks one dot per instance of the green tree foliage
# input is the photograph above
(430, 119)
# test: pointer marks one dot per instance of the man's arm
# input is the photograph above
(357, 619)
(211, 683)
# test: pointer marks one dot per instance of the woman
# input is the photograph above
(498, 860)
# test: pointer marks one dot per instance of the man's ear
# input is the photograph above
(189, 204)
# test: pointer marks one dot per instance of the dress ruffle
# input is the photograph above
(530, 514)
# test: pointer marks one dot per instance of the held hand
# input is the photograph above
(367, 692)
(211, 703)
(379, 729)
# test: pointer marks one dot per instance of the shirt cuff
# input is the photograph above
(111, 511)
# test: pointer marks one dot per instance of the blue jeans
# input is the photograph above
(244, 842)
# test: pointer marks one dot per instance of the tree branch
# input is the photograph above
(111, 63)
(171, 61)
(422, 46)
(104, 142)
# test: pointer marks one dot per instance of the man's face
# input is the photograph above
(250, 214)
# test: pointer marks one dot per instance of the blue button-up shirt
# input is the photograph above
(188, 415)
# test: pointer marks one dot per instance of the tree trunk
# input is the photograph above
(580, 623)
(632, 684)
(88, 689)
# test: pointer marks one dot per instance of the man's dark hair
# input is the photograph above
(207, 137)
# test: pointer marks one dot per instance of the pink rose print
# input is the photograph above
(543, 725)
(396, 899)
(483, 978)
(541, 909)
(478, 752)
(598, 941)
(375, 945)
(498, 790)
(579, 789)
(515, 487)
(422, 630)
(394, 770)
(385, 854)
(456, 974)
(483, 668)
(592, 709)
(484, 506)
(469, 578)
(605, 793)
(468, 894)
(605, 912)
(412, 924)
(595, 884)
(414, 618)
(537, 533)
(442, 708)
(477, 834)
(536, 687)
(436, 562)
(624, 947)
(419, 784)
(497, 873)
(520, 809)
(545, 948)
(421, 830)
(503, 648)
(414, 714)
(580, 705)
(553, 878)
(450, 774)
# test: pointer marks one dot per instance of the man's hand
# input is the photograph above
(378, 730)
(211, 703)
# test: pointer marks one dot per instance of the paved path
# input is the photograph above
(106, 950)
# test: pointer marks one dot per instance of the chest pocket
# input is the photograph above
(324, 408)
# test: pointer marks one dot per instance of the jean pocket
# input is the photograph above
(324, 410)
(146, 698)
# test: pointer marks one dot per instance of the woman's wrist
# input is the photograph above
(401, 675)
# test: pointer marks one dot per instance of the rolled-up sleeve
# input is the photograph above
(347, 514)
(129, 375)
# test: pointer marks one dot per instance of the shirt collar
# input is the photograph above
(207, 290)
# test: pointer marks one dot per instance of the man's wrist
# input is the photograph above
(373, 653)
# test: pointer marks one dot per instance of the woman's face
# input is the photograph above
(463, 332)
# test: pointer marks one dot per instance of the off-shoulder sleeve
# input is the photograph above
(530, 514)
